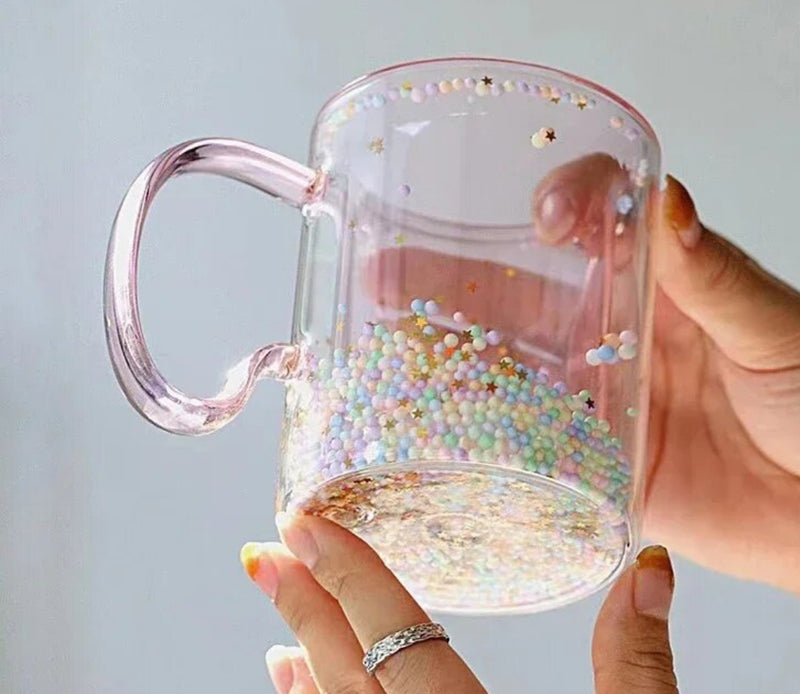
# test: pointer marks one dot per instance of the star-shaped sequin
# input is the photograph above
(352, 225)
(416, 413)
(466, 335)
(458, 383)
(550, 135)
(422, 432)
(488, 81)
(390, 424)
(491, 387)
(376, 145)
(590, 403)
(421, 321)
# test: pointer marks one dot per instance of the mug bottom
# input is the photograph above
(479, 539)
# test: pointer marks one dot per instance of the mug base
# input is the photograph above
(472, 538)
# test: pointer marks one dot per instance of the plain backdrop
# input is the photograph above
(119, 569)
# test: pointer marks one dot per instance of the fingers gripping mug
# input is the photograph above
(466, 381)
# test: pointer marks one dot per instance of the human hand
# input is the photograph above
(724, 459)
(339, 599)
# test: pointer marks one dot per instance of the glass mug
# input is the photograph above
(465, 389)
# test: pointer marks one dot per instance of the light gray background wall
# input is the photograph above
(119, 544)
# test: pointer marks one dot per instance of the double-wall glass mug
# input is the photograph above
(467, 375)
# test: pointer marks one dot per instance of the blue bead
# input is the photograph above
(606, 353)
(624, 204)
(418, 305)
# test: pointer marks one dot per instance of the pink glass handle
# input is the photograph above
(146, 389)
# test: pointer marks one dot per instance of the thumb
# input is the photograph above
(752, 316)
(630, 649)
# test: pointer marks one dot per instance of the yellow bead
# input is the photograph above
(458, 84)
(508, 86)
(481, 89)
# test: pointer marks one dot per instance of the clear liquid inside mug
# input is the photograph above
(466, 395)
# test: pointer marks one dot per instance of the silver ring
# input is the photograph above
(389, 645)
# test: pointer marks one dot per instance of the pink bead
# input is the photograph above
(417, 95)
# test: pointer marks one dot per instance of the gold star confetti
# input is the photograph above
(458, 383)
(421, 321)
(471, 287)
(550, 135)
(491, 387)
(466, 335)
(339, 326)
(390, 423)
(407, 85)
(555, 98)
(422, 432)
(581, 103)
(511, 272)
(488, 81)
(376, 145)
(352, 225)
(399, 239)
(416, 413)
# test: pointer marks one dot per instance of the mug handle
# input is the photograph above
(145, 387)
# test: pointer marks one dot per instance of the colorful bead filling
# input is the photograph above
(418, 391)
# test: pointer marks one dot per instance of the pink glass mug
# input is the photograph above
(467, 395)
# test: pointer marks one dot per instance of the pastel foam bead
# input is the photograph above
(627, 351)
(628, 337)
(593, 358)
(606, 353)
(451, 340)
(431, 308)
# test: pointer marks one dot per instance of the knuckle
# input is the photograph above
(297, 615)
(644, 664)
(727, 269)
(343, 582)
(350, 682)
(412, 669)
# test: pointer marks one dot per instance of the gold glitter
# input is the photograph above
(399, 239)
(376, 145)
(473, 539)
(472, 287)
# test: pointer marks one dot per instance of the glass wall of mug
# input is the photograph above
(473, 309)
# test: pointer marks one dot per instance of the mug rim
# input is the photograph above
(366, 78)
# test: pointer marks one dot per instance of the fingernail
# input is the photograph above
(281, 668)
(681, 214)
(555, 215)
(297, 539)
(653, 582)
(260, 567)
